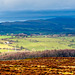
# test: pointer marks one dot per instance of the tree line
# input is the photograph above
(46, 53)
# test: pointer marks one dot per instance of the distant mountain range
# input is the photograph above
(31, 15)
(56, 25)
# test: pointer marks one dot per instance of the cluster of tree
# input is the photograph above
(40, 34)
(47, 53)
(48, 36)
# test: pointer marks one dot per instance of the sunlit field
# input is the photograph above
(43, 43)
(3, 37)
(36, 43)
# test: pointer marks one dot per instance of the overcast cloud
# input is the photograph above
(9, 5)
(14, 10)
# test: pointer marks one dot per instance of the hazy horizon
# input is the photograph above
(17, 10)
(33, 15)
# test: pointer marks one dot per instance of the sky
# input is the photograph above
(15, 5)
(11, 8)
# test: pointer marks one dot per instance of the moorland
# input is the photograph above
(39, 66)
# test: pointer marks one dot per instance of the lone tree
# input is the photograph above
(12, 35)
(21, 47)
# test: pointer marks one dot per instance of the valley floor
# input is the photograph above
(40, 43)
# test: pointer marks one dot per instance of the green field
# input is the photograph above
(36, 43)
(3, 37)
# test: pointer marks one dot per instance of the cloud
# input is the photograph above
(14, 5)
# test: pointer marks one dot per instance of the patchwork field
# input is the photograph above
(36, 43)
(39, 66)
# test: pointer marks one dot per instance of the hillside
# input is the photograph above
(45, 26)
(39, 66)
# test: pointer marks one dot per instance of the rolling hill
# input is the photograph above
(45, 26)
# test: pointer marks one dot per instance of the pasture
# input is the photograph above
(36, 43)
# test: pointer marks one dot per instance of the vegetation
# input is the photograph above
(56, 25)
(27, 54)
(49, 43)
(39, 66)
(3, 37)
(36, 43)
